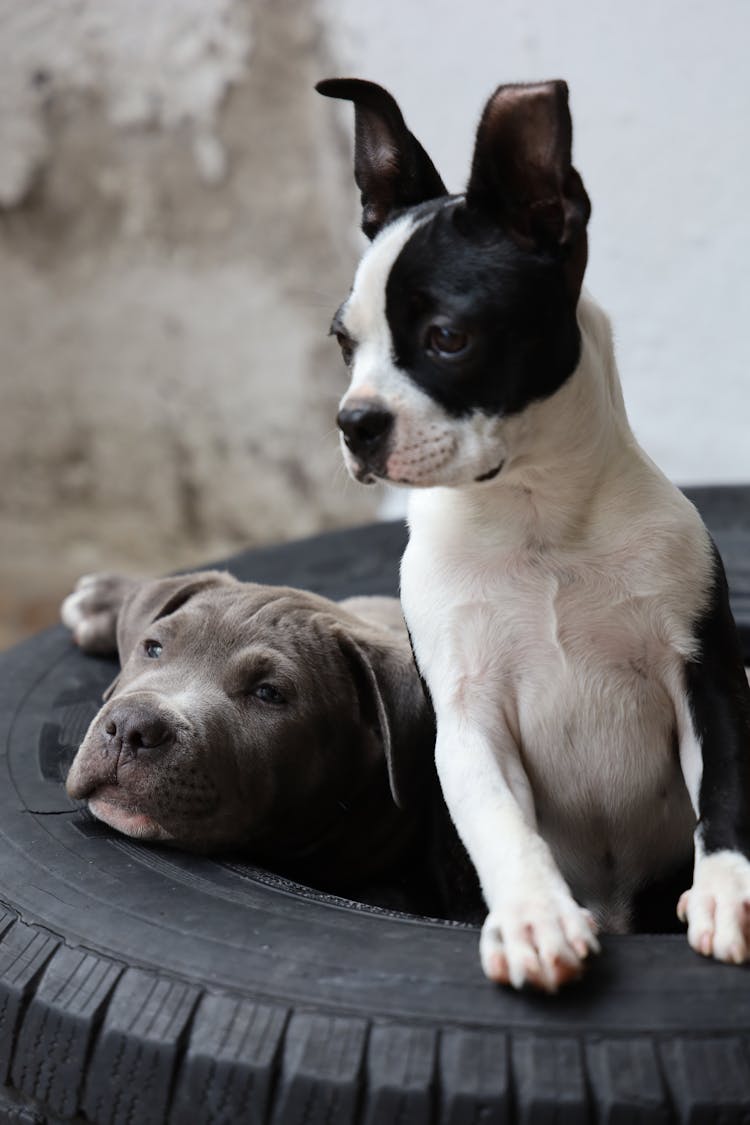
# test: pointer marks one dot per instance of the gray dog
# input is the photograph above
(255, 716)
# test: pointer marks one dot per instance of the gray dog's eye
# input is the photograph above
(152, 649)
(268, 694)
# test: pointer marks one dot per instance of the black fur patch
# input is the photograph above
(719, 698)
(461, 271)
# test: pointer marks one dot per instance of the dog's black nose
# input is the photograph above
(137, 727)
(365, 426)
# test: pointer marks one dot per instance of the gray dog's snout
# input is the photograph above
(122, 746)
(366, 427)
(136, 727)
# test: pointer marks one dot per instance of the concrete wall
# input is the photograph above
(176, 228)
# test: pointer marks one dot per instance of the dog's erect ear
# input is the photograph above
(394, 702)
(522, 175)
(151, 601)
(391, 168)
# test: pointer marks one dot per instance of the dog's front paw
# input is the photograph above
(90, 612)
(543, 941)
(717, 907)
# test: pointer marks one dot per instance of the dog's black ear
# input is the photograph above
(150, 601)
(522, 173)
(391, 168)
(394, 702)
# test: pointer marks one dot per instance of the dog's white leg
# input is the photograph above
(717, 906)
(712, 707)
(535, 932)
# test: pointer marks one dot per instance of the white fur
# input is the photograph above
(551, 611)
(717, 906)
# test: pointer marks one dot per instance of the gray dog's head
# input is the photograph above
(252, 715)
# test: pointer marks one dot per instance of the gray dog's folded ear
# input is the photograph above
(150, 601)
(394, 702)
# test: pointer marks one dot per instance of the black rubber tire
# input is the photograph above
(140, 985)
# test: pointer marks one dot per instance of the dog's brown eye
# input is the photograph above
(347, 347)
(446, 341)
(268, 694)
(152, 649)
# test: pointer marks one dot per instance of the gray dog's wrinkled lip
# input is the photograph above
(123, 817)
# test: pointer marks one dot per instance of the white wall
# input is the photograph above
(660, 93)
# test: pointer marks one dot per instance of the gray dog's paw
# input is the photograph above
(90, 612)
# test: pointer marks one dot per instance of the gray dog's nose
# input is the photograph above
(137, 727)
(365, 426)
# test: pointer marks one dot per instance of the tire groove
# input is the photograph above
(19, 992)
(53, 1038)
(181, 1044)
(97, 1022)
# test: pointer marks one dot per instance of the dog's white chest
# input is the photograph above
(572, 658)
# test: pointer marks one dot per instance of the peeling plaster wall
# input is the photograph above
(161, 65)
(176, 229)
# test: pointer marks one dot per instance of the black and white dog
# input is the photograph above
(567, 607)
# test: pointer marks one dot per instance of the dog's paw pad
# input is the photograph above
(717, 908)
(541, 943)
(90, 612)
(96, 633)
